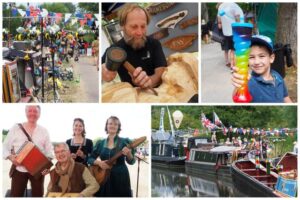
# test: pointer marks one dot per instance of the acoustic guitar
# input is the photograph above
(100, 174)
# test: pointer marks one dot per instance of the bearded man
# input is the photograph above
(143, 52)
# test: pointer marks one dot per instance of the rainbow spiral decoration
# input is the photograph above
(242, 33)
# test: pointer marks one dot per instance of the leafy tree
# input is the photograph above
(89, 7)
(11, 24)
(59, 7)
(237, 116)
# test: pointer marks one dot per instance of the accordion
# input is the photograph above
(30, 156)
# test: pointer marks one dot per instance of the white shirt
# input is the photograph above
(231, 10)
(16, 138)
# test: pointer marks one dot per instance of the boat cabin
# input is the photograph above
(165, 149)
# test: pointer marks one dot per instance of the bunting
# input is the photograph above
(217, 120)
(79, 15)
(36, 13)
(88, 16)
(218, 124)
(225, 130)
(14, 12)
(97, 16)
(27, 12)
(82, 22)
(206, 122)
(44, 12)
(67, 16)
(58, 17)
(22, 12)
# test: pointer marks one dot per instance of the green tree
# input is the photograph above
(237, 116)
(9, 23)
(89, 7)
(59, 7)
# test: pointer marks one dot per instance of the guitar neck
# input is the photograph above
(132, 145)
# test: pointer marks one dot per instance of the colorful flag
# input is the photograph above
(44, 12)
(27, 12)
(225, 130)
(217, 120)
(14, 12)
(90, 22)
(82, 22)
(97, 16)
(73, 21)
(88, 15)
(58, 17)
(79, 15)
(22, 12)
(67, 16)
(207, 123)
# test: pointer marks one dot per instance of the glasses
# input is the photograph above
(59, 152)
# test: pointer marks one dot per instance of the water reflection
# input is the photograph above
(177, 183)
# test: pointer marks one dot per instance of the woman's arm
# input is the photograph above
(94, 153)
(129, 153)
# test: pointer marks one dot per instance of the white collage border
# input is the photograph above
(2, 105)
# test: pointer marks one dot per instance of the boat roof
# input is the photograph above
(224, 149)
(161, 136)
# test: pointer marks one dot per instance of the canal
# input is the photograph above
(168, 182)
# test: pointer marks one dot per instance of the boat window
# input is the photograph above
(205, 156)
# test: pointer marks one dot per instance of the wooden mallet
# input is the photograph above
(115, 57)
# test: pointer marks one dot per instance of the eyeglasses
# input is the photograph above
(59, 152)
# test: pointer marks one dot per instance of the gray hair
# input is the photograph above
(65, 145)
(37, 106)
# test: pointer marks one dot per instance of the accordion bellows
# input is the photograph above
(33, 159)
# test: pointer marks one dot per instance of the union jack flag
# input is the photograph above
(217, 120)
(206, 122)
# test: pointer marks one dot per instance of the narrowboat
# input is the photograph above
(166, 154)
(255, 182)
(167, 150)
(209, 158)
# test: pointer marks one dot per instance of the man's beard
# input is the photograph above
(135, 43)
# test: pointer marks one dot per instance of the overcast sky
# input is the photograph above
(58, 118)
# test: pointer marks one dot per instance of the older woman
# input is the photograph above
(14, 141)
(80, 146)
(118, 182)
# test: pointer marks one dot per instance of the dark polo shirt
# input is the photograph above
(148, 58)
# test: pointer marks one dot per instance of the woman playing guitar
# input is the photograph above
(117, 182)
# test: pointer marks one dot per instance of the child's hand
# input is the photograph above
(237, 79)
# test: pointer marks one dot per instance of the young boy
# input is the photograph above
(265, 85)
